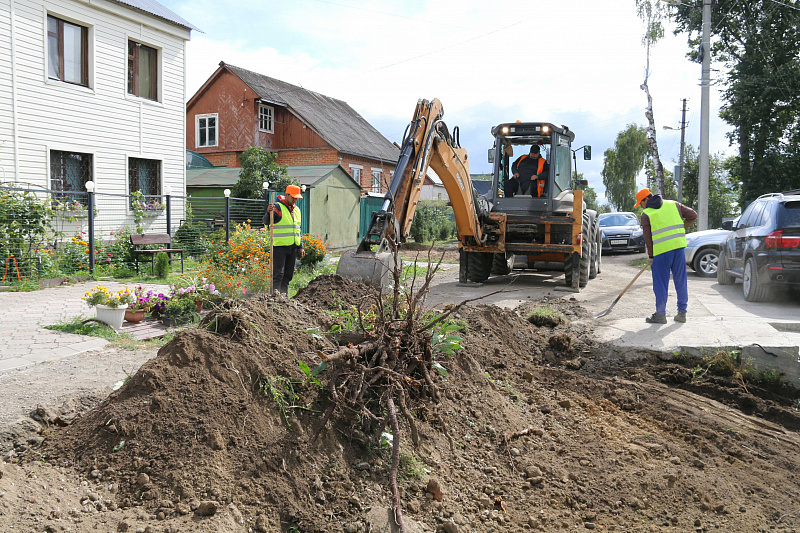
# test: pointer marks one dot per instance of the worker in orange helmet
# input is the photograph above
(287, 240)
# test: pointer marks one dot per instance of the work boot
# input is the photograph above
(656, 318)
(681, 316)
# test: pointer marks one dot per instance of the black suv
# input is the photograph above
(763, 250)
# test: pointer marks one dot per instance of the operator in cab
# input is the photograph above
(529, 174)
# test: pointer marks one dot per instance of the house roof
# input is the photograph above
(334, 120)
(152, 7)
(308, 175)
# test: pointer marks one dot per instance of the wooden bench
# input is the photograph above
(142, 239)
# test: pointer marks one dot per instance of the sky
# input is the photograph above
(574, 62)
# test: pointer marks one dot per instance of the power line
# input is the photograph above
(437, 22)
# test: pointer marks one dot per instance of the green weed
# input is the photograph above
(280, 389)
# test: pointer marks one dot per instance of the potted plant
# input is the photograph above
(141, 305)
(178, 311)
(110, 306)
(158, 302)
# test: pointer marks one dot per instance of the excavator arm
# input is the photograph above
(427, 142)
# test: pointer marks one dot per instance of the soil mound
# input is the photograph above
(333, 292)
(520, 439)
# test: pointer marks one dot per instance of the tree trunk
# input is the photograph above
(651, 140)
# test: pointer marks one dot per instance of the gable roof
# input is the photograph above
(228, 176)
(334, 120)
(154, 8)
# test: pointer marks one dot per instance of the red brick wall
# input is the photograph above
(366, 172)
(307, 157)
(223, 159)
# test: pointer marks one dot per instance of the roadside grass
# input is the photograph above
(546, 313)
(639, 262)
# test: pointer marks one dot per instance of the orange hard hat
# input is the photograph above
(641, 195)
(293, 191)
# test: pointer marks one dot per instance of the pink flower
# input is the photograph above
(244, 290)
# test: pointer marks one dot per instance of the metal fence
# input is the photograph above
(52, 233)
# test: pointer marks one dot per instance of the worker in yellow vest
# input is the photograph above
(287, 241)
(664, 223)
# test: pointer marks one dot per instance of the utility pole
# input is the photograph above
(705, 83)
(683, 146)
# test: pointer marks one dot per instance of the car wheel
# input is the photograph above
(706, 262)
(723, 278)
(754, 290)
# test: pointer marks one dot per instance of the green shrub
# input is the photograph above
(162, 265)
(433, 221)
(179, 307)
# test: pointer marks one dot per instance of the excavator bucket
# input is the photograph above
(371, 268)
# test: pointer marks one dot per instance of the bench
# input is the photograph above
(164, 239)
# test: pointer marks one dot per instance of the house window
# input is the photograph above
(142, 70)
(144, 175)
(355, 171)
(68, 51)
(376, 180)
(265, 118)
(69, 171)
(206, 130)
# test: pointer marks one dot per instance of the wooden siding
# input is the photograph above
(101, 119)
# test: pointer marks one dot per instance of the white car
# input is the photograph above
(702, 249)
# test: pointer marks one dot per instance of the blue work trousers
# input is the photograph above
(673, 261)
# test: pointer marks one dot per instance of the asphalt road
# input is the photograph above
(718, 316)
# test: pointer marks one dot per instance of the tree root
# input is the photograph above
(398, 512)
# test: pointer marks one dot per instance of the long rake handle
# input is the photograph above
(604, 313)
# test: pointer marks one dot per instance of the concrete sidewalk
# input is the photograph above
(23, 339)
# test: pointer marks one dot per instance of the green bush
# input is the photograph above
(433, 221)
(179, 307)
(162, 265)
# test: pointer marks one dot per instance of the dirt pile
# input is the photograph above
(530, 433)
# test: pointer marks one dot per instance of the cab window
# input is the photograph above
(563, 163)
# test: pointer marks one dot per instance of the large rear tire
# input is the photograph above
(586, 252)
(479, 266)
(597, 251)
(502, 264)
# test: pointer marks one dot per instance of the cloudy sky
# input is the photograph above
(573, 62)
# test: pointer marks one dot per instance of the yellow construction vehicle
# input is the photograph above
(499, 231)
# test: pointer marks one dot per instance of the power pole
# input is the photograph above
(683, 146)
(705, 83)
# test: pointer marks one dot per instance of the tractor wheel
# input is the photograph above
(586, 253)
(502, 264)
(479, 266)
(597, 251)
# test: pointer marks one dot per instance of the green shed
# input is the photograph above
(334, 203)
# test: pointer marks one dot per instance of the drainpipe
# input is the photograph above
(15, 115)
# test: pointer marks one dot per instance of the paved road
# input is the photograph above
(718, 315)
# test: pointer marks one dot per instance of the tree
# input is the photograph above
(258, 166)
(651, 13)
(589, 194)
(621, 165)
(723, 185)
(758, 42)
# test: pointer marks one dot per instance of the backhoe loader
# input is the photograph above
(499, 231)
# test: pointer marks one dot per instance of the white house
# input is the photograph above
(432, 187)
(93, 90)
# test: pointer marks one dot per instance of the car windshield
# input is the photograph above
(619, 220)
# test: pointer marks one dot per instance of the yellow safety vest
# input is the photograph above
(287, 231)
(667, 228)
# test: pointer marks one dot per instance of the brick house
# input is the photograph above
(236, 108)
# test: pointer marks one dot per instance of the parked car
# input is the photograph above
(702, 249)
(621, 232)
(763, 249)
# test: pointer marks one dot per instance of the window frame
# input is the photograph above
(377, 174)
(159, 181)
(271, 128)
(355, 171)
(85, 50)
(197, 130)
(50, 170)
(155, 70)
